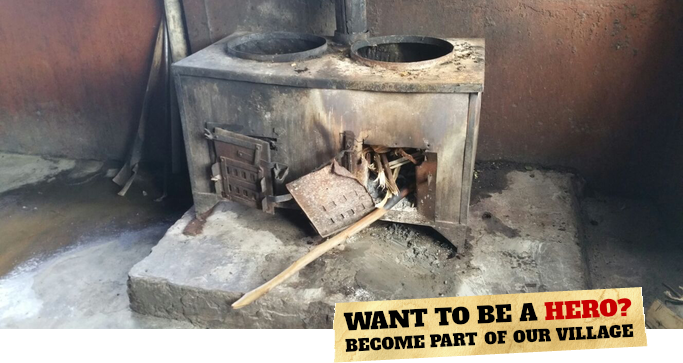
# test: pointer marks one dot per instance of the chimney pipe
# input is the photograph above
(352, 22)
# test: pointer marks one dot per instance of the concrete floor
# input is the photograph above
(525, 237)
(627, 246)
(68, 242)
(82, 286)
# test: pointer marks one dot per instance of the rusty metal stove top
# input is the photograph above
(462, 73)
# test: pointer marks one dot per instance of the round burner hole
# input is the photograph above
(276, 47)
(402, 52)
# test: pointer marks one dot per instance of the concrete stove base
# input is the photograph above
(524, 238)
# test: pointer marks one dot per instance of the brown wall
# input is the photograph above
(586, 84)
(73, 73)
(668, 186)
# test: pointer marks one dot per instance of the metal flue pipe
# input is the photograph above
(352, 22)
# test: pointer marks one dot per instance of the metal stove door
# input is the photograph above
(245, 175)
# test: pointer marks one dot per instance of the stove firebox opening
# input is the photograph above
(385, 171)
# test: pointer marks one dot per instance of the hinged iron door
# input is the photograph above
(243, 169)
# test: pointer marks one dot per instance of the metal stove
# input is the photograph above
(262, 110)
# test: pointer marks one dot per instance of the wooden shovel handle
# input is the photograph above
(318, 251)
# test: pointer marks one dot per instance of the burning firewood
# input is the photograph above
(376, 161)
(406, 155)
(389, 175)
(362, 172)
(380, 149)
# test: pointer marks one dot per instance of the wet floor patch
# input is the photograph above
(68, 241)
(41, 218)
(81, 286)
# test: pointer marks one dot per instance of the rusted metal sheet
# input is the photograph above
(72, 75)
(332, 198)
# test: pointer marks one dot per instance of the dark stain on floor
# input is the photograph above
(495, 225)
(490, 177)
